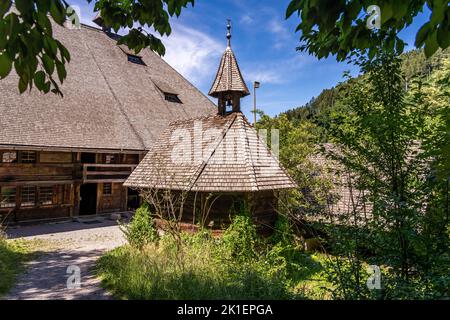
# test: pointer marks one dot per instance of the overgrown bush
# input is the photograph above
(283, 231)
(240, 238)
(141, 230)
(239, 265)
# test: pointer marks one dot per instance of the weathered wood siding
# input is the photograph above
(62, 173)
(116, 201)
(216, 210)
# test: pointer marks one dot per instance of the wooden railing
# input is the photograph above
(101, 173)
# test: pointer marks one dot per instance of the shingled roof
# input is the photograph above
(211, 154)
(109, 102)
(228, 77)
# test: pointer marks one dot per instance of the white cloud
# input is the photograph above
(246, 19)
(280, 70)
(192, 53)
(264, 76)
(280, 32)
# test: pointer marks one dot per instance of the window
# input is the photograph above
(7, 197)
(171, 97)
(107, 189)
(9, 157)
(110, 158)
(135, 59)
(46, 195)
(28, 157)
(28, 196)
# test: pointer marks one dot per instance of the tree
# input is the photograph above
(382, 134)
(340, 27)
(28, 45)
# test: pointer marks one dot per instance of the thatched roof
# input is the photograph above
(210, 154)
(228, 77)
(109, 102)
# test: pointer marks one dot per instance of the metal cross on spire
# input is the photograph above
(229, 32)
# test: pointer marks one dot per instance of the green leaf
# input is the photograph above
(24, 6)
(23, 85)
(438, 14)
(65, 55)
(431, 45)
(49, 64)
(5, 65)
(58, 11)
(3, 35)
(443, 36)
(386, 12)
(399, 46)
(293, 6)
(43, 5)
(400, 8)
(62, 74)
(422, 34)
(4, 7)
(47, 86)
(39, 80)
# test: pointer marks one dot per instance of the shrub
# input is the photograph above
(283, 232)
(141, 230)
(154, 273)
(239, 265)
(240, 239)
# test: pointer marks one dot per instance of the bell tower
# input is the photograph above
(229, 86)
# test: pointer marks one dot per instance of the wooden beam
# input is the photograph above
(103, 165)
(36, 182)
(104, 181)
(67, 149)
(108, 173)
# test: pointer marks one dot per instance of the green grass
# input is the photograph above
(13, 255)
(205, 270)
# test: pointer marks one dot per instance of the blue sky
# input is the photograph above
(264, 43)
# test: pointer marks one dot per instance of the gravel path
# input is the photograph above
(65, 244)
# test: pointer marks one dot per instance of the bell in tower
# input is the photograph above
(229, 86)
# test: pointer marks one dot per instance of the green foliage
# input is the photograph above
(319, 110)
(297, 143)
(381, 133)
(27, 42)
(283, 232)
(240, 238)
(340, 28)
(214, 268)
(141, 230)
(13, 255)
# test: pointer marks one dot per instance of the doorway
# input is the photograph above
(133, 199)
(87, 157)
(88, 199)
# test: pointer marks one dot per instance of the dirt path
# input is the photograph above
(73, 244)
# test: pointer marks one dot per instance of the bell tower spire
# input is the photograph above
(229, 86)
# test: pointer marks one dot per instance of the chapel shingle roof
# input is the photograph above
(109, 102)
(228, 77)
(229, 158)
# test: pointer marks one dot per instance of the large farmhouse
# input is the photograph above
(65, 157)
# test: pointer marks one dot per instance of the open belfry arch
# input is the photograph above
(217, 160)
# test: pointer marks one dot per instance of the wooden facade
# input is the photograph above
(215, 210)
(69, 156)
(37, 184)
